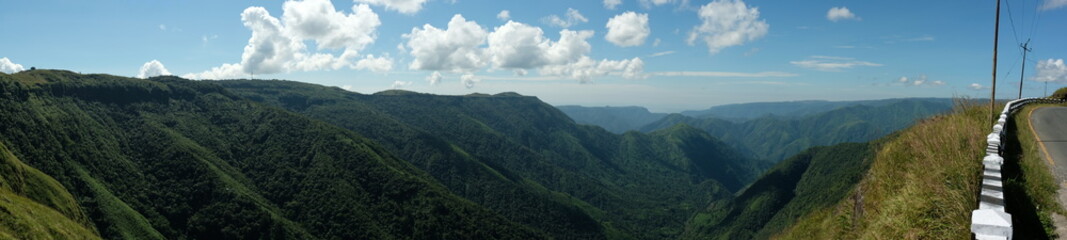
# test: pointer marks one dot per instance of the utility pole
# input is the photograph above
(1026, 49)
(996, 42)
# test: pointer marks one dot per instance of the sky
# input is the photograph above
(666, 55)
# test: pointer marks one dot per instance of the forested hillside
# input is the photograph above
(168, 158)
(776, 138)
(519, 151)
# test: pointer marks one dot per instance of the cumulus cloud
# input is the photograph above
(514, 46)
(628, 29)
(611, 4)
(434, 78)
(152, 68)
(468, 80)
(455, 48)
(375, 64)
(400, 84)
(573, 17)
(504, 15)
(519, 46)
(402, 6)
(840, 13)
(727, 23)
(832, 64)
(277, 45)
(1053, 4)
(9, 67)
(1051, 70)
(586, 68)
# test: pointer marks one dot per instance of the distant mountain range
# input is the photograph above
(761, 132)
(613, 119)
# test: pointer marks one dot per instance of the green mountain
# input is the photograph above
(529, 162)
(614, 119)
(812, 180)
(179, 159)
(794, 109)
(35, 206)
(776, 138)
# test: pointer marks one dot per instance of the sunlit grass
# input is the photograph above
(923, 184)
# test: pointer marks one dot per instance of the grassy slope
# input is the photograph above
(921, 185)
(808, 181)
(35, 206)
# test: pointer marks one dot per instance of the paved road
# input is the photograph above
(1050, 124)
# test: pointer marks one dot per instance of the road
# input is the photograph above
(1050, 124)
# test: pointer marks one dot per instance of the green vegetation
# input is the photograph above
(178, 159)
(921, 185)
(776, 138)
(809, 181)
(529, 162)
(35, 206)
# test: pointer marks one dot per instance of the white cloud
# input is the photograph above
(586, 68)
(375, 64)
(573, 17)
(277, 46)
(650, 3)
(840, 13)
(226, 71)
(504, 15)
(975, 86)
(400, 84)
(9, 67)
(727, 23)
(514, 46)
(402, 6)
(434, 78)
(1051, 70)
(921, 80)
(349, 88)
(468, 80)
(206, 38)
(455, 48)
(152, 68)
(317, 20)
(661, 53)
(724, 74)
(628, 29)
(832, 64)
(611, 4)
(1053, 4)
(519, 46)
(656, 43)
(162, 27)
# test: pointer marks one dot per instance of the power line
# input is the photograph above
(1012, 20)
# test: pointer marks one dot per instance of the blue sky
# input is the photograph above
(740, 51)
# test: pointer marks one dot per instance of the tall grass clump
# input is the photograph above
(923, 184)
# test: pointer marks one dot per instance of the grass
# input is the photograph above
(923, 184)
(33, 205)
